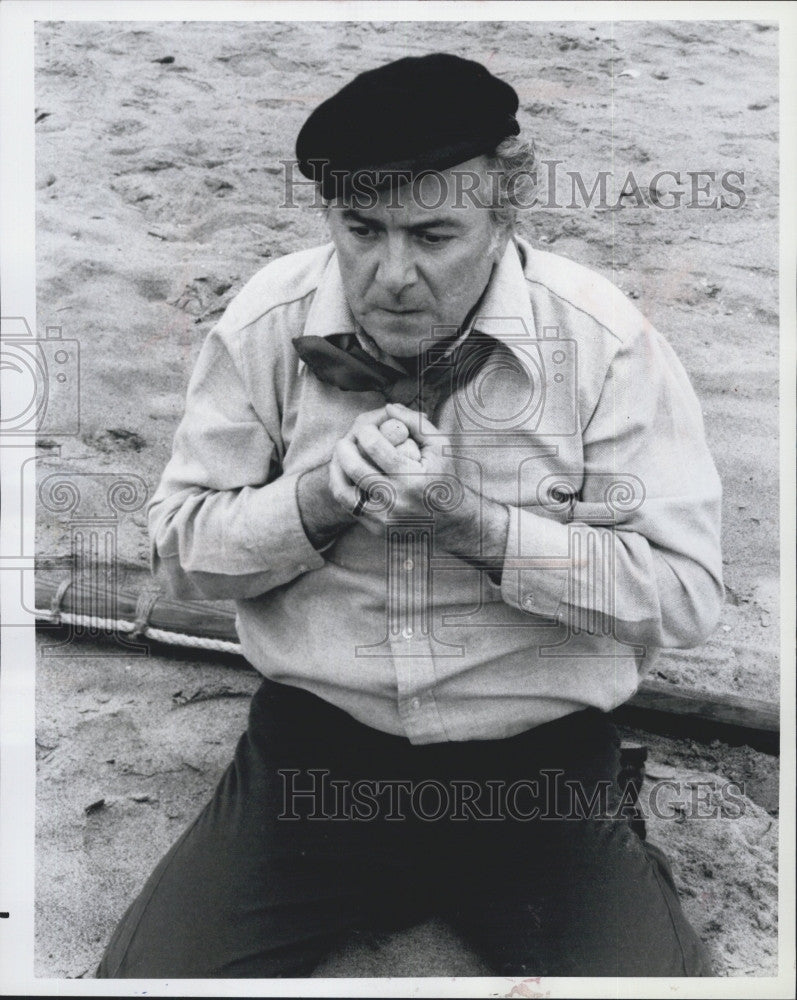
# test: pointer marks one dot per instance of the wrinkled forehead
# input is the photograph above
(457, 195)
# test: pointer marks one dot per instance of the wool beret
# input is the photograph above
(418, 113)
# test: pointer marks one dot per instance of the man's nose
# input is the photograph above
(396, 269)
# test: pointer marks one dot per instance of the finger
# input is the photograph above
(344, 491)
(376, 446)
(354, 465)
(353, 499)
(370, 418)
(419, 425)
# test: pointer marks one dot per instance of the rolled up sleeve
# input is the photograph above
(634, 550)
(224, 522)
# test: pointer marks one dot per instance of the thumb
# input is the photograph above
(420, 427)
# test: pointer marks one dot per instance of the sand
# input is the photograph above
(159, 193)
(129, 749)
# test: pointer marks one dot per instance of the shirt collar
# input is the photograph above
(505, 301)
(505, 310)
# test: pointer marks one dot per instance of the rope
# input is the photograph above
(148, 632)
(58, 596)
(147, 600)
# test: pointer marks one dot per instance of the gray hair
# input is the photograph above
(513, 164)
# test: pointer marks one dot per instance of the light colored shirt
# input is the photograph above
(583, 423)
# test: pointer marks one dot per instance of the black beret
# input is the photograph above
(415, 114)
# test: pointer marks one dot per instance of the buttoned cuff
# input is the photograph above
(536, 564)
(278, 524)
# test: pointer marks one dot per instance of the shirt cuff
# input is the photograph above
(276, 518)
(536, 564)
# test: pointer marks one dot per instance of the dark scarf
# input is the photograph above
(426, 382)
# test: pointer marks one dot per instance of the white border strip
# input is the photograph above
(17, 283)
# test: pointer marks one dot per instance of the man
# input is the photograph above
(442, 626)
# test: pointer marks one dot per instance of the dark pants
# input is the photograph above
(248, 891)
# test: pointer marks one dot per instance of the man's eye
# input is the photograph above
(363, 232)
(433, 239)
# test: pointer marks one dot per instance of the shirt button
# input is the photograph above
(528, 601)
(302, 568)
(407, 633)
(415, 704)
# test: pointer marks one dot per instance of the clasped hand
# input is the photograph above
(370, 476)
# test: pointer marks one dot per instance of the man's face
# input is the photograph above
(408, 267)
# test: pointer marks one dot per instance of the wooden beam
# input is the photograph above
(703, 716)
(655, 707)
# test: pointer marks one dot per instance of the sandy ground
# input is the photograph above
(160, 187)
(129, 750)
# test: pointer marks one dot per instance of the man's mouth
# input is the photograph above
(397, 312)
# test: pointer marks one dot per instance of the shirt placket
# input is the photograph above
(410, 639)
(409, 623)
